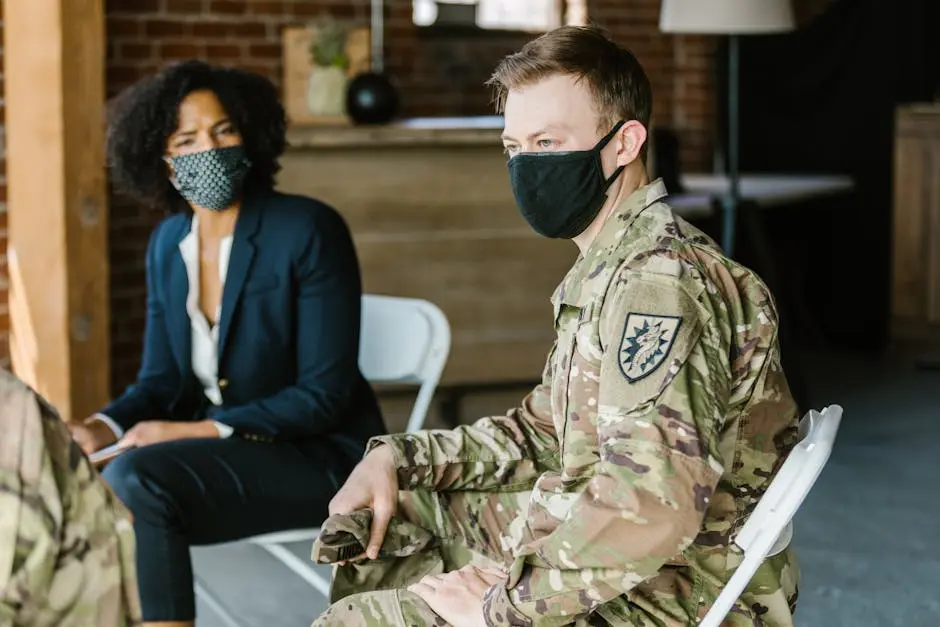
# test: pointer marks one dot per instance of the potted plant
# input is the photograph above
(326, 87)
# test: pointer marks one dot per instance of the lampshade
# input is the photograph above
(726, 17)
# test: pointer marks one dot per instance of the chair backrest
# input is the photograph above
(404, 341)
(769, 528)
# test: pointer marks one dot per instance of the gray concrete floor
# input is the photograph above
(867, 537)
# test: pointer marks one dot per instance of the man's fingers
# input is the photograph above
(353, 560)
(432, 581)
(380, 518)
(491, 577)
(338, 507)
(422, 589)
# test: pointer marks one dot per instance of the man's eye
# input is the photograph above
(510, 150)
(546, 144)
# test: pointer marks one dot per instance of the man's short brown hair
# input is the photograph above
(620, 87)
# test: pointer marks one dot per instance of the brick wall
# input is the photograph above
(437, 74)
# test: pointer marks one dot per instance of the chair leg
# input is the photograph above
(450, 407)
(202, 592)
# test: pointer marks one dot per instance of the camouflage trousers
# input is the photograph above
(464, 528)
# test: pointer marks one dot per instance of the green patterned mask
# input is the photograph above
(211, 178)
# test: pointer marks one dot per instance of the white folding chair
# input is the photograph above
(403, 341)
(769, 528)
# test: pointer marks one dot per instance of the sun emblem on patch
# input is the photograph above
(647, 340)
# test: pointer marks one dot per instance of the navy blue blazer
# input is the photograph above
(288, 330)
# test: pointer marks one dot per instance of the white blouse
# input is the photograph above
(204, 338)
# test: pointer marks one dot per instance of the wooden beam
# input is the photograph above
(54, 55)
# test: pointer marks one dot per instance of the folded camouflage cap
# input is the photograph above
(345, 536)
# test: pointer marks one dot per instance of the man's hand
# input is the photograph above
(373, 484)
(457, 597)
(156, 431)
(91, 435)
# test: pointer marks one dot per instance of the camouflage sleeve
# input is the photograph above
(495, 453)
(66, 543)
(663, 390)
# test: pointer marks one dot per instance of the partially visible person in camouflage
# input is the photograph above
(611, 495)
(66, 543)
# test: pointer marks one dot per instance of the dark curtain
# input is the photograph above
(822, 100)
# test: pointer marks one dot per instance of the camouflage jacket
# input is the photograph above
(66, 543)
(662, 415)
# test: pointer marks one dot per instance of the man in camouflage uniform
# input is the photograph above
(66, 543)
(611, 496)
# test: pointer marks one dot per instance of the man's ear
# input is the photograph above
(630, 140)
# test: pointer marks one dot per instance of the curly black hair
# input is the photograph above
(145, 115)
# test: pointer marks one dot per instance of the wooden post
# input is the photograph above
(54, 55)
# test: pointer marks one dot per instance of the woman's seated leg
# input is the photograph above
(191, 492)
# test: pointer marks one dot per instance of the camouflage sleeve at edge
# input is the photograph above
(66, 543)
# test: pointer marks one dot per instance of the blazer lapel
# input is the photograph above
(243, 253)
(177, 318)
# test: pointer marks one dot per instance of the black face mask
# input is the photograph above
(560, 193)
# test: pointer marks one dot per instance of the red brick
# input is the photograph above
(264, 51)
(211, 29)
(136, 50)
(250, 29)
(270, 7)
(228, 7)
(173, 51)
(123, 26)
(133, 6)
(217, 52)
(229, 29)
(188, 7)
(162, 28)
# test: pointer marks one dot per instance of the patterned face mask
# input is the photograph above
(211, 178)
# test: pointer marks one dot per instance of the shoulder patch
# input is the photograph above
(645, 344)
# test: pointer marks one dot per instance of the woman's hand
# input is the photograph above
(92, 435)
(156, 431)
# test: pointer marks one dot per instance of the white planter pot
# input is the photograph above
(326, 91)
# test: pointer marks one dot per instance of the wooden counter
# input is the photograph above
(432, 216)
(916, 266)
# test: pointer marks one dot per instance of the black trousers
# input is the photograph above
(205, 491)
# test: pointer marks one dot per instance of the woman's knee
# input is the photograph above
(134, 477)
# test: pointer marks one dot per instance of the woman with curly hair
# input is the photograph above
(249, 409)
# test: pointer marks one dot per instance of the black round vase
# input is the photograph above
(371, 99)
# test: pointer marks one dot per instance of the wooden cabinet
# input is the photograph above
(916, 271)
(432, 216)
